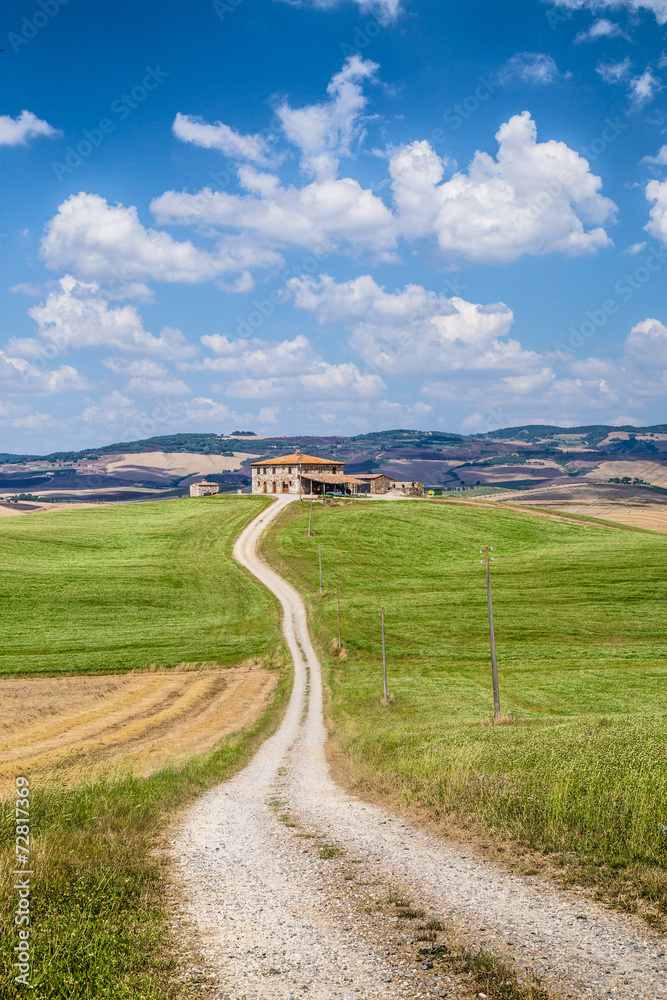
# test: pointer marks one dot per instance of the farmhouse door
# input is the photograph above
(273, 487)
(285, 487)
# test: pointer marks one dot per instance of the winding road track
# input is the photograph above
(272, 926)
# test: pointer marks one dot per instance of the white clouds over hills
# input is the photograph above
(284, 368)
(532, 198)
(414, 331)
(17, 375)
(108, 243)
(78, 315)
(464, 353)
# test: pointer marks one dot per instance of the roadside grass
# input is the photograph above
(105, 590)
(576, 778)
(99, 912)
(121, 587)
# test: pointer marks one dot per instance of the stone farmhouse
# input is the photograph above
(298, 473)
(308, 475)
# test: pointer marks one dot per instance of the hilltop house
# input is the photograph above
(308, 475)
(302, 474)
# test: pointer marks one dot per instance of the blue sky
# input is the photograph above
(330, 216)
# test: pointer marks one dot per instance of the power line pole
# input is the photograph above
(340, 644)
(384, 656)
(319, 552)
(494, 666)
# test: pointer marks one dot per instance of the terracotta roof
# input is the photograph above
(298, 459)
(204, 482)
(328, 477)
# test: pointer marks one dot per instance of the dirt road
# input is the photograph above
(285, 876)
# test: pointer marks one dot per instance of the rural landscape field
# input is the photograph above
(139, 666)
(577, 770)
(142, 665)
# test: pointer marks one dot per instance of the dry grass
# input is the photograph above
(634, 506)
(58, 725)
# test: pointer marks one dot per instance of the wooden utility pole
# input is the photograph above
(494, 666)
(319, 551)
(340, 644)
(384, 656)
(310, 518)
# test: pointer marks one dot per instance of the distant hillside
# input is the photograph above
(528, 455)
(219, 444)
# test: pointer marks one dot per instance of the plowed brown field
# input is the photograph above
(68, 726)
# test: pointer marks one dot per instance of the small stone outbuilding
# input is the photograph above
(411, 487)
(204, 489)
(377, 482)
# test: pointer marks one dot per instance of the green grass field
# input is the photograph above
(581, 631)
(109, 589)
(121, 587)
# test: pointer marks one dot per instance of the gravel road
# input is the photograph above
(264, 861)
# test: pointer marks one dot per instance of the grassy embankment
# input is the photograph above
(101, 590)
(576, 782)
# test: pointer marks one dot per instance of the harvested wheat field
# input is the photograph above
(59, 726)
(638, 506)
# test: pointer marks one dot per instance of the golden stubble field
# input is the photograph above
(69, 727)
(630, 505)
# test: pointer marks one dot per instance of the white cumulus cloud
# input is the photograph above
(157, 387)
(220, 136)
(659, 160)
(415, 331)
(77, 315)
(615, 72)
(656, 191)
(646, 346)
(342, 381)
(255, 357)
(602, 28)
(533, 198)
(17, 375)
(144, 367)
(325, 132)
(644, 88)
(108, 243)
(17, 131)
(320, 214)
